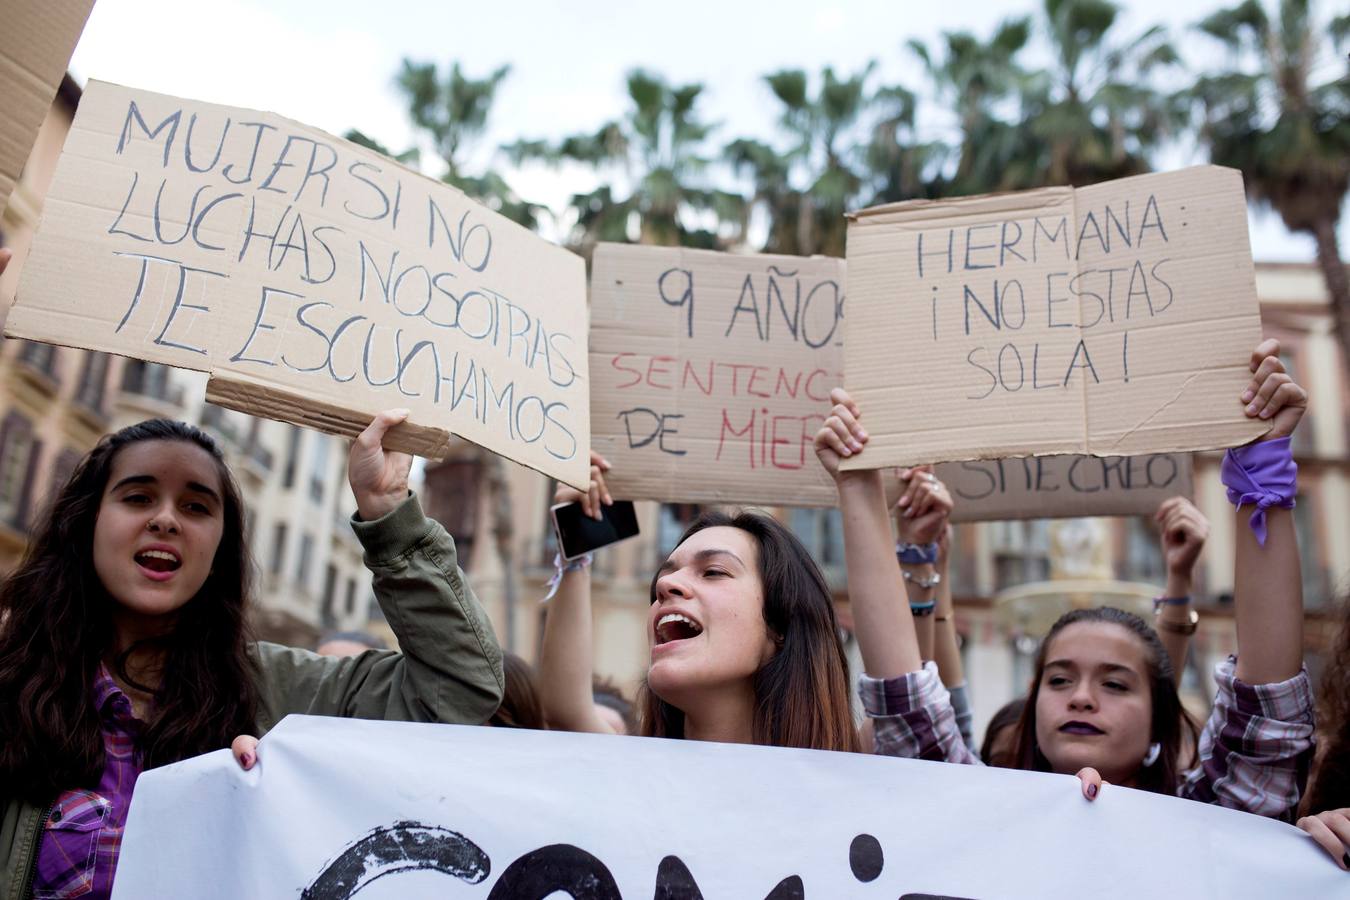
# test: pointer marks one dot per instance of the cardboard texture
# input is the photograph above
(1051, 487)
(316, 282)
(37, 38)
(712, 373)
(1116, 319)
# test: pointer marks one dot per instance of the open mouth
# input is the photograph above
(676, 627)
(1080, 728)
(158, 561)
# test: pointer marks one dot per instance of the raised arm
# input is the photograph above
(1267, 582)
(1183, 531)
(876, 590)
(448, 667)
(1257, 746)
(566, 656)
(911, 711)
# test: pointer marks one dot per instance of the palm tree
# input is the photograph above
(1288, 135)
(902, 167)
(454, 112)
(657, 147)
(770, 173)
(1094, 115)
(822, 133)
(974, 78)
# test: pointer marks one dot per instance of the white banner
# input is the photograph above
(340, 807)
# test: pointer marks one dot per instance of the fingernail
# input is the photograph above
(862, 433)
(846, 452)
(1265, 414)
(403, 413)
(904, 501)
(1247, 396)
(1092, 792)
(855, 446)
(248, 760)
(1252, 408)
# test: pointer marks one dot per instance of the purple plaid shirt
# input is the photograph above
(1254, 751)
(77, 855)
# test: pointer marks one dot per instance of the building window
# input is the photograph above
(292, 457)
(93, 382)
(821, 531)
(1021, 552)
(327, 613)
(674, 518)
(19, 451)
(1143, 557)
(146, 379)
(318, 474)
(40, 356)
(351, 596)
(279, 548)
(306, 554)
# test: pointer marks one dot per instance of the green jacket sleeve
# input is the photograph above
(448, 667)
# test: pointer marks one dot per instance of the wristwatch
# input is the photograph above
(1187, 627)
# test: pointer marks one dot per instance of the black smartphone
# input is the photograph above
(578, 533)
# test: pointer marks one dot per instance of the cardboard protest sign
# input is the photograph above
(712, 373)
(1116, 319)
(316, 282)
(36, 42)
(1050, 487)
(413, 810)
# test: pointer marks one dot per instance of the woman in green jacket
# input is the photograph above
(124, 644)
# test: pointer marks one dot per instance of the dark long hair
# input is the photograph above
(520, 706)
(1171, 727)
(1008, 716)
(56, 628)
(1330, 788)
(801, 694)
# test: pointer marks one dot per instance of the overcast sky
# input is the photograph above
(331, 64)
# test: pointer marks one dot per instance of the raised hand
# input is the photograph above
(1184, 530)
(1272, 395)
(379, 478)
(842, 435)
(597, 494)
(924, 505)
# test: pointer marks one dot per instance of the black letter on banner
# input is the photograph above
(674, 881)
(401, 847)
(557, 867)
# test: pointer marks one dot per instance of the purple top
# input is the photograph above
(77, 854)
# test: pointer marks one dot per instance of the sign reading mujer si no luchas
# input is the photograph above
(317, 282)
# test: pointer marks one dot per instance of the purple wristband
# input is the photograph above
(1263, 474)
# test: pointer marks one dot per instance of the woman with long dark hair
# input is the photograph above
(1103, 700)
(742, 635)
(124, 642)
(1327, 807)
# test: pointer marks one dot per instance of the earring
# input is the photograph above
(1154, 751)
